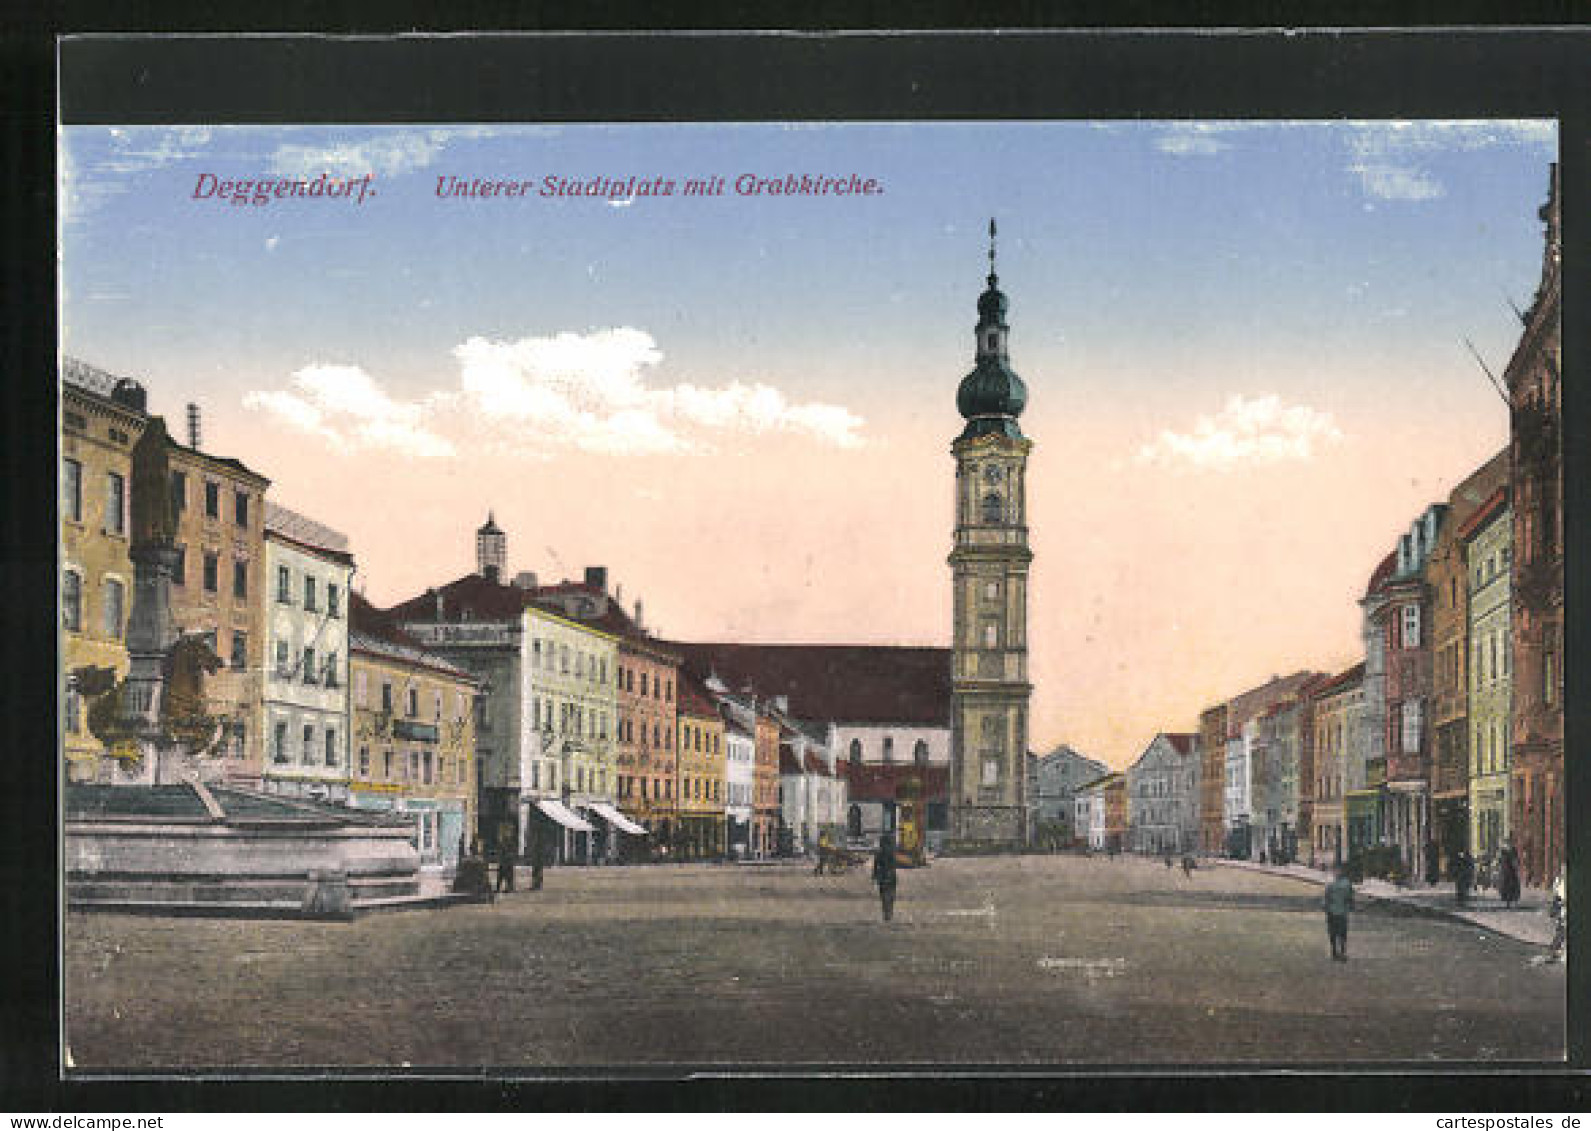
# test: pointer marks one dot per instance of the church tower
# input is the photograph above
(989, 566)
(491, 550)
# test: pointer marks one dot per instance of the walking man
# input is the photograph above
(884, 874)
(1339, 901)
(537, 854)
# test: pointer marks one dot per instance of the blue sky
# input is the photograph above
(1210, 317)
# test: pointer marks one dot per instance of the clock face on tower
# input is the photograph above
(992, 473)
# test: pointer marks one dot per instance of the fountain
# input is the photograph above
(165, 835)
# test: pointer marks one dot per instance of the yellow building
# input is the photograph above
(700, 831)
(412, 724)
(218, 589)
(101, 420)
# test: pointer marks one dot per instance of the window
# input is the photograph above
(308, 672)
(330, 679)
(425, 762)
(113, 599)
(179, 492)
(991, 508)
(212, 565)
(364, 761)
(115, 504)
(991, 771)
(72, 490)
(535, 653)
(333, 601)
(279, 743)
(212, 500)
(72, 600)
(1411, 726)
(386, 765)
(668, 690)
(74, 712)
(282, 670)
(309, 594)
(284, 586)
(240, 580)
(331, 747)
(414, 703)
(240, 508)
(240, 650)
(1411, 626)
(991, 590)
(386, 698)
(889, 748)
(920, 753)
(643, 683)
(991, 635)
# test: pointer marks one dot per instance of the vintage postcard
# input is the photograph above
(619, 595)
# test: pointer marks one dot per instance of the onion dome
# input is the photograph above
(992, 396)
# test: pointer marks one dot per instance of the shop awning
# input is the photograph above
(617, 819)
(556, 811)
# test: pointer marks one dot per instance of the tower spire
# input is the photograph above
(992, 277)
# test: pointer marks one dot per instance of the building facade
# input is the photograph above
(412, 725)
(1212, 779)
(217, 591)
(1164, 786)
(1488, 542)
(1338, 763)
(701, 832)
(1447, 578)
(102, 418)
(1535, 389)
(308, 570)
(740, 755)
(1057, 776)
(989, 566)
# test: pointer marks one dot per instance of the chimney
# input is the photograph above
(436, 595)
(618, 595)
(597, 578)
(524, 579)
(193, 426)
(783, 703)
(639, 622)
(130, 394)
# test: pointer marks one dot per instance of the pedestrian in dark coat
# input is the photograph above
(885, 875)
(1463, 877)
(1508, 874)
(505, 860)
(1338, 901)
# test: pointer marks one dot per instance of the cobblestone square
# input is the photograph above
(1033, 961)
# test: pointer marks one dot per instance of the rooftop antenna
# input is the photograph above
(1490, 376)
(1514, 306)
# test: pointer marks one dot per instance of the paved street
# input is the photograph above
(1038, 960)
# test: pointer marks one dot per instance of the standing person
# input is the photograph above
(537, 857)
(505, 859)
(1463, 876)
(885, 874)
(1433, 863)
(1559, 910)
(1508, 874)
(1339, 901)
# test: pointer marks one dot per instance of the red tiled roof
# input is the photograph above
(880, 782)
(373, 632)
(1382, 574)
(1242, 708)
(478, 596)
(1183, 744)
(1340, 681)
(835, 682)
(694, 700)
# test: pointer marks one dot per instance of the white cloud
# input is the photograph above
(88, 180)
(1247, 431)
(344, 405)
(387, 154)
(589, 391)
(1198, 139)
(1389, 158)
